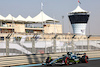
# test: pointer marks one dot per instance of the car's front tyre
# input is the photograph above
(67, 61)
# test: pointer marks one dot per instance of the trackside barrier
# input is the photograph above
(19, 44)
(38, 58)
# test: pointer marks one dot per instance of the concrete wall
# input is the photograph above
(20, 28)
(29, 59)
(51, 28)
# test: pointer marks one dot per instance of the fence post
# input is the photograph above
(7, 47)
(88, 44)
(72, 45)
(54, 45)
(88, 38)
(45, 48)
(33, 46)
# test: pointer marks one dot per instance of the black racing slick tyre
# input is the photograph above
(84, 59)
(67, 61)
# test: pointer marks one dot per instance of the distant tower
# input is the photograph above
(79, 19)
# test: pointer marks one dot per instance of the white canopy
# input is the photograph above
(79, 10)
(2, 18)
(10, 18)
(42, 17)
(20, 19)
(29, 19)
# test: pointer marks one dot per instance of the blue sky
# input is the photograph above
(57, 8)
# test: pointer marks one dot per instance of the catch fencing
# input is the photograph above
(48, 43)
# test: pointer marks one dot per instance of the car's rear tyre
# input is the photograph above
(84, 59)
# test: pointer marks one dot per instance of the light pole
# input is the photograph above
(63, 23)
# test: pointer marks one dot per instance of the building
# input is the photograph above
(79, 19)
(19, 25)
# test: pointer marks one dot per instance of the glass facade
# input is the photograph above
(1, 38)
(75, 19)
(29, 31)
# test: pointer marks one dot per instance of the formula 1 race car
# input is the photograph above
(67, 59)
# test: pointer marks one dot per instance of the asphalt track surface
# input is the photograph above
(91, 63)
